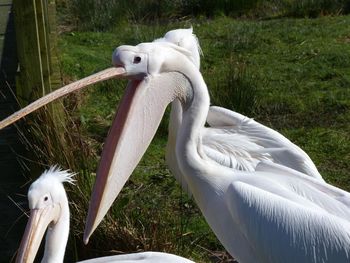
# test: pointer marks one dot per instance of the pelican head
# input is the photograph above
(147, 58)
(48, 210)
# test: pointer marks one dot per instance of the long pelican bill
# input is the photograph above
(92, 79)
(38, 222)
(133, 128)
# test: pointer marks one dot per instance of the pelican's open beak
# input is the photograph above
(133, 128)
(38, 222)
(95, 78)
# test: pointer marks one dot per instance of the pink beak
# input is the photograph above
(38, 222)
(95, 78)
(133, 128)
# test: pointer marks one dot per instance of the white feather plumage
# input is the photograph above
(57, 173)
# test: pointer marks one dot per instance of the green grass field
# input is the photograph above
(292, 75)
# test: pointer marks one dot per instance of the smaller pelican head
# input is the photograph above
(47, 199)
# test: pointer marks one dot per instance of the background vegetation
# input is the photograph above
(104, 15)
(285, 63)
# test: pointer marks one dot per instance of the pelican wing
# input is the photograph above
(290, 217)
(248, 142)
(327, 197)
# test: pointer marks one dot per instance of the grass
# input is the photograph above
(104, 15)
(293, 75)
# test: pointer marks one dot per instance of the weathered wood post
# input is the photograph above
(37, 51)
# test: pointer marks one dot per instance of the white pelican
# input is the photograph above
(273, 214)
(49, 210)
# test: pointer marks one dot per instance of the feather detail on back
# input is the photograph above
(233, 150)
(321, 194)
(268, 143)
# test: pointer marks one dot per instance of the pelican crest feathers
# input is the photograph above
(55, 171)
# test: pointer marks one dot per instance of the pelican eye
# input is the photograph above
(137, 60)
(46, 198)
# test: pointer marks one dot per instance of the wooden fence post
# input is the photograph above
(35, 33)
(39, 74)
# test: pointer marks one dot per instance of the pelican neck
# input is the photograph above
(195, 109)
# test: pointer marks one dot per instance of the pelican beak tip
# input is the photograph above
(86, 237)
(86, 240)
